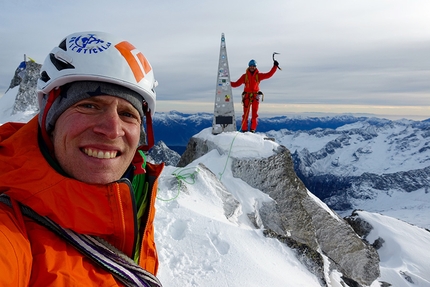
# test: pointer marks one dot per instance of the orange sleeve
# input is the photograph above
(15, 255)
(239, 82)
(264, 76)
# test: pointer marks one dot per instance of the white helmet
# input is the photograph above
(97, 56)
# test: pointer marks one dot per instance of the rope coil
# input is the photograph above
(182, 178)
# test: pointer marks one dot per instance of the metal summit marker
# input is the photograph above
(224, 120)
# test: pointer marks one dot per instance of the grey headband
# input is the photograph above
(76, 91)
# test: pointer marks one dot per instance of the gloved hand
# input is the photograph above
(275, 63)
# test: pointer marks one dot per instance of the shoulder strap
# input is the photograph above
(99, 251)
(256, 76)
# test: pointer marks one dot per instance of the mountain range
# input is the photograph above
(186, 125)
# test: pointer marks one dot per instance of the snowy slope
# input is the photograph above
(404, 255)
(199, 246)
(412, 207)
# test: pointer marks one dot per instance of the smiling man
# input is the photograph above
(95, 139)
(80, 167)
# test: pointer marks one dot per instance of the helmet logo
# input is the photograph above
(88, 44)
(134, 58)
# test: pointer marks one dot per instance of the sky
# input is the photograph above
(337, 56)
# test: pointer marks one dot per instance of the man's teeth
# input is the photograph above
(99, 153)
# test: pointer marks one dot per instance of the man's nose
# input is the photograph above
(109, 124)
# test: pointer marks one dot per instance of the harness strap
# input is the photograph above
(97, 250)
(251, 96)
(246, 77)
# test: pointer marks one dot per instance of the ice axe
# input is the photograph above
(273, 57)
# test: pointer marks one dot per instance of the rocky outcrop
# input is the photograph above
(26, 98)
(161, 153)
(301, 216)
(195, 149)
(231, 206)
(298, 217)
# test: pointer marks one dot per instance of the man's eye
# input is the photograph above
(129, 115)
(87, 105)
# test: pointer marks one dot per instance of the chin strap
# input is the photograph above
(52, 96)
(149, 133)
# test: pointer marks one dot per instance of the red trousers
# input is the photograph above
(250, 104)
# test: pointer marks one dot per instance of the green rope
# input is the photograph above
(228, 156)
(231, 145)
(182, 178)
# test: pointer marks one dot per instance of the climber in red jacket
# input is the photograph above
(251, 93)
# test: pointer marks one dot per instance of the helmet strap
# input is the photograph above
(52, 96)
(149, 133)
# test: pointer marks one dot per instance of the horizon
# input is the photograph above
(415, 113)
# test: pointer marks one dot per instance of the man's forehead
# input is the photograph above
(90, 89)
(106, 99)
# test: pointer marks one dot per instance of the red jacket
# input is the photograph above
(31, 255)
(252, 81)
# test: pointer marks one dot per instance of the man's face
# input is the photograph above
(95, 139)
(252, 68)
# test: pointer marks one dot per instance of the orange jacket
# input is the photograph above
(31, 255)
(252, 81)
